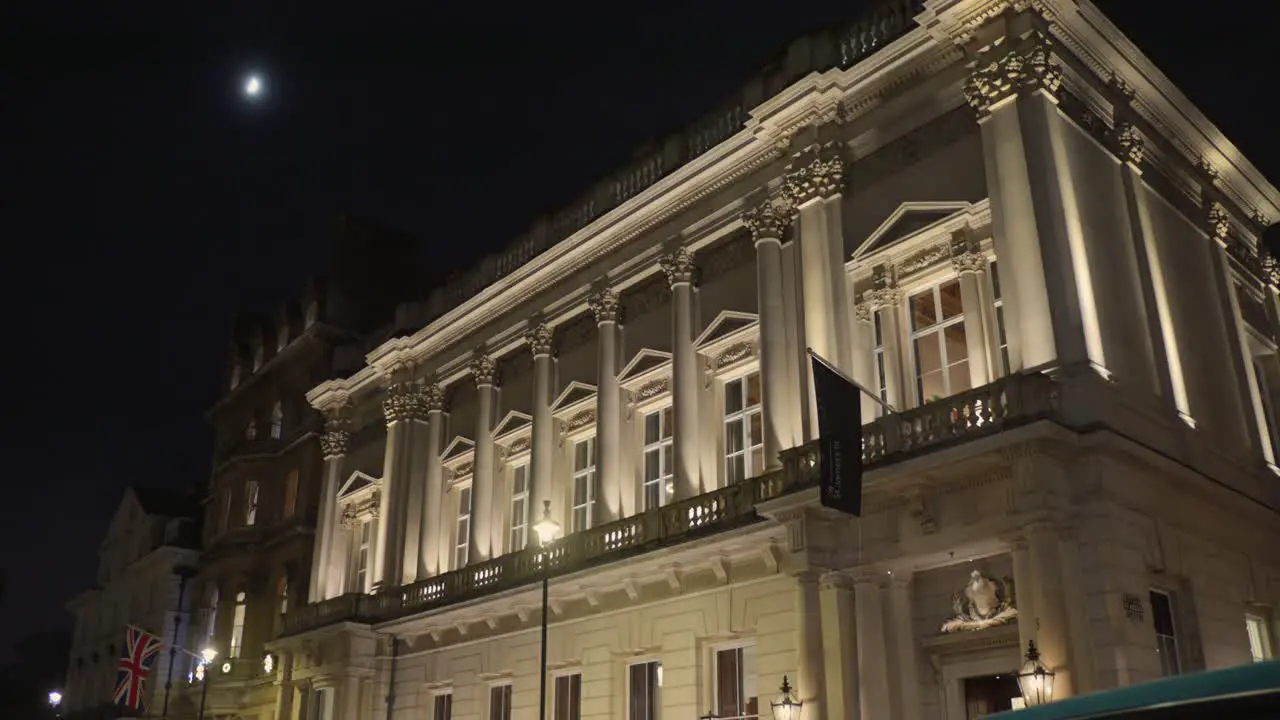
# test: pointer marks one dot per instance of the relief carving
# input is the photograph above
(984, 602)
(1004, 69)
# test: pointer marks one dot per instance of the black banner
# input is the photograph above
(839, 439)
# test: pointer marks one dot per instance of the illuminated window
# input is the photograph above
(937, 332)
(568, 697)
(519, 507)
(644, 686)
(1000, 331)
(277, 420)
(743, 429)
(283, 591)
(1166, 633)
(659, 462)
(500, 702)
(362, 557)
(1259, 629)
(250, 502)
(882, 377)
(291, 493)
(735, 684)
(462, 534)
(237, 626)
(584, 483)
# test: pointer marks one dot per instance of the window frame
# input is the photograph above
(1258, 626)
(445, 698)
(519, 520)
(363, 554)
(591, 474)
(291, 480)
(664, 448)
(743, 648)
(1176, 666)
(935, 332)
(655, 702)
(252, 494)
(461, 554)
(1001, 331)
(500, 707)
(574, 699)
(235, 645)
(742, 416)
(277, 420)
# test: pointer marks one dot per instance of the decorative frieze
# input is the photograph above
(923, 260)
(355, 513)
(581, 420)
(734, 353)
(823, 176)
(541, 339)
(653, 389)
(983, 602)
(404, 401)
(1004, 69)
(769, 220)
(1129, 145)
(484, 370)
(605, 306)
(679, 267)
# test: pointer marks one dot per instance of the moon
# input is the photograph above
(253, 86)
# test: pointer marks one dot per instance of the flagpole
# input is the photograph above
(887, 407)
(183, 574)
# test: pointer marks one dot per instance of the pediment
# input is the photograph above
(909, 219)
(513, 422)
(645, 361)
(726, 325)
(459, 447)
(574, 393)
(357, 482)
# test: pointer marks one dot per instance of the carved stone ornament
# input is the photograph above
(540, 338)
(605, 306)
(1004, 69)
(862, 312)
(1130, 146)
(769, 220)
(1219, 221)
(404, 401)
(884, 297)
(984, 602)
(1270, 268)
(484, 370)
(969, 262)
(333, 443)
(822, 177)
(433, 396)
(679, 267)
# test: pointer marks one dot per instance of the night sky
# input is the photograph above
(143, 201)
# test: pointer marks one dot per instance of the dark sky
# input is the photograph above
(143, 201)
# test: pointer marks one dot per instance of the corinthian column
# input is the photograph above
(608, 311)
(540, 339)
(484, 371)
(326, 570)
(768, 222)
(680, 270)
(429, 537)
(396, 553)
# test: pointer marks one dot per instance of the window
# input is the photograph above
(500, 702)
(442, 707)
(735, 684)
(237, 626)
(277, 420)
(1166, 635)
(250, 502)
(1000, 331)
(251, 431)
(659, 460)
(882, 378)
(283, 591)
(937, 332)
(226, 510)
(568, 698)
(743, 432)
(291, 493)
(462, 537)
(643, 683)
(362, 556)
(257, 357)
(519, 507)
(1259, 636)
(584, 483)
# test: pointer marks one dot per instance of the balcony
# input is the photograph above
(1006, 403)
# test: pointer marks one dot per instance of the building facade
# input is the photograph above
(1000, 217)
(144, 563)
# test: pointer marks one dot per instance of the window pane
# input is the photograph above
(951, 304)
(932, 387)
(757, 461)
(757, 428)
(579, 455)
(652, 495)
(652, 465)
(1162, 613)
(579, 489)
(957, 348)
(733, 436)
(995, 280)
(958, 376)
(753, 389)
(521, 478)
(737, 469)
(928, 355)
(732, 396)
(652, 428)
(879, 333)
(668, 459)
(924, 312)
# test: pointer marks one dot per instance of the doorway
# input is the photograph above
(990, 694)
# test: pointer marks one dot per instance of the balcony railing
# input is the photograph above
(1010, 401)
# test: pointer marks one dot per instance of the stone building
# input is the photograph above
(151, 548)
(1000, 217)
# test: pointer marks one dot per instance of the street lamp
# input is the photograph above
(55, 699)
(1035, 680)
(207, 657)
(787, 706)
(547, 529)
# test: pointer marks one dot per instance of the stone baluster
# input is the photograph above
(680, 271)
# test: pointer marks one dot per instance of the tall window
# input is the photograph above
(283, 591)
(226, 509)
(1000, 331)
(291, 493)
(584, 482)
(1166, 632)
(442, 707)
(277, 420)
(462, 536)
(735, 683)
(500, 702)
(659, 461)
(1259, 636)
(568, 697)
(519, 507)
(237, 626)
(743, 431)
(362, 556)
(644, 682)
(942, 355)
(250, 502)
(882, 378)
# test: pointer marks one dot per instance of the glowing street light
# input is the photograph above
(253, 86)
(787, 706)
(55, 698)
(547, 530)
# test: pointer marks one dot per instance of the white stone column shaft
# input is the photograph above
(607, 308)
(433, 494)
(767, 223)
(839, 646)
(484, 371)
(971, 266)
(1023, 596)
(903, 633)
(1052, 630)
(326, 578)
(811, 676)
(543, 442)
(680, 272)
(873, 677)
(898, 379)
(395, 555)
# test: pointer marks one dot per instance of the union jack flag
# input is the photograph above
(140, 650)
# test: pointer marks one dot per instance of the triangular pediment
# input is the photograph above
(643, 362)
(357, 482)
(726, 323)
(513, 422)
(574, 393)
(459, 447)
(909, 219)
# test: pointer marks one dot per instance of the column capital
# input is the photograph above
(1002, 70)
(969, 262)
(541, 339)
(822, 176)
(433, 395)
(1218, 220)
(769, 220)
(337, 433)
(836, 581)
(862, 312)
(679, 267)
(404, 401)
(606, 306)
(484, 370)
(1128, 143)
(881, 298)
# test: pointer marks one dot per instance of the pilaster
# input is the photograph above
(429, 557)
(873, 676)
(543, 443)
(839, 645)
(680, 271)
(484, 371)
(607, 308)
(971, 265)
(811, 678)
(885, 299)
(768, 223)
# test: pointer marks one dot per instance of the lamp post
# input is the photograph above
(786, 706)
(1035, 680)
(207, 656)
(55, 699)
(547, 529)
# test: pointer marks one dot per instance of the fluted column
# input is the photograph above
(608, 311)
(768, 222)
(885, 299)
(873, 677)
(839, 645)
(433, 493)
(484, 371)
(811, 677)
(680, 272)
(326, 569)
(543, 444)
(970, 265)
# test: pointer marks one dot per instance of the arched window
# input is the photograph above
(237, 626)
(277, 420)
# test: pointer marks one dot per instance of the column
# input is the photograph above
(885, 300)
(873, 677)
(680, 271)
(839, 646)
(1023, 598)
(433, 493)
(484, 371)
(403, 481)
(326, 570)
(864, 358)
(811, 676)
(903, 633)
(1052, 631)
(767, 223)
(607, 308)
(970, 264)
(284, 686)
(543, 443)
(347, 702)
